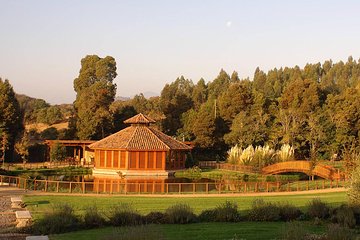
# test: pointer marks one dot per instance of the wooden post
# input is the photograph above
(57, 186)
(194, 187)
(46, 185)
(297, 186)
(267, 187)
(70, 188)
(245, 187)
(219, 187)
(207, 187)
(277, 186)
(167, 187)
(35, 185)
(324, 184)
(179, 188)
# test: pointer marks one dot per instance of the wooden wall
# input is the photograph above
(139, 160)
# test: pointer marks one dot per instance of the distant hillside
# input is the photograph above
(147, 94)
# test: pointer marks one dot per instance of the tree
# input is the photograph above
(95, 93)
(235, 99)
(175, 99)
(58, 152)
(10, 119)
(199, 95)
(218, 85)
(22, 147)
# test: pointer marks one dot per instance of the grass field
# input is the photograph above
(41, 204)
(197, 231)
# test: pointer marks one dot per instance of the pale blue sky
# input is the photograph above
(154, 42)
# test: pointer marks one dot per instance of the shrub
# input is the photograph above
(264, 211)
(345, 217)
(61, 219)
(155, 218)
(293, 231)
(227, 212)
(124, 215)
(208, 215)
(336, 232)
(180, 214)
(93, 218)
(289, 212)
(318, 209)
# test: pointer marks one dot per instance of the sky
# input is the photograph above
(155, 41)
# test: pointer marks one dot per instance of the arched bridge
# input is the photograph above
(320, 170)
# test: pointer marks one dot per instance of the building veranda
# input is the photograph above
(140, 149)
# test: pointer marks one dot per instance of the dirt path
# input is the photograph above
(310, 192)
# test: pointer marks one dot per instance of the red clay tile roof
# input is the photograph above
(139, 118)
(139, 137)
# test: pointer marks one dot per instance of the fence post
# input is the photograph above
(83, 183)
(219, 188)
(57, 186)
(46, 183)
(277, 187)
(324, 184)
(179, 188)
(267, 187)
(194, 187)
(70, 187)
(207, 187)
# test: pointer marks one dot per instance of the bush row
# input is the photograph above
(63, 218)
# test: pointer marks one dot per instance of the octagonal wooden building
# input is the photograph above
(139, 149)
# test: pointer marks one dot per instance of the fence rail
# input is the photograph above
(62, 164)
(120, 187)
(225, 166)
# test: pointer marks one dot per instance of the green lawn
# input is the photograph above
(197, 231)
(41, 204)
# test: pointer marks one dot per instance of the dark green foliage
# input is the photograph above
(264, 211)
(176, 99)
(318, 209)
(344, 216)
(57, 152)
(227, 212)
(124, 215)
(337, 232)
(93, 218)
(289, 212)
(10, 119)
(155, 218)
(180, 214)
(208, 215)
(95, 93)
(50, 134)
(61, 219)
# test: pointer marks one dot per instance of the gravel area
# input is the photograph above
(7, 216)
